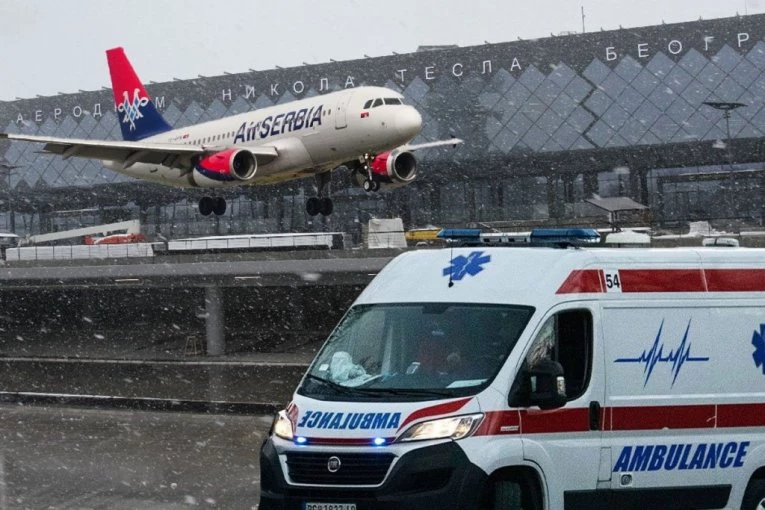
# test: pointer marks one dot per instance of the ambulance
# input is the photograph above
(536, 378)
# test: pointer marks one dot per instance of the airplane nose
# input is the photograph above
(408, 122)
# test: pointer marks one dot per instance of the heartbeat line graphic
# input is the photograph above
(655, 355)
(132, 110)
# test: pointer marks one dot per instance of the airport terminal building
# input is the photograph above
(547, 124)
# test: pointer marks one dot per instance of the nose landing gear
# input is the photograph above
(369, 183)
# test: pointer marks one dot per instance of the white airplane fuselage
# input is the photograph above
(310, 135)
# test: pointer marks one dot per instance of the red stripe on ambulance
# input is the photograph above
(735, 280)
(447, 408)
(583, 281)
(624, 419)
(662, 280)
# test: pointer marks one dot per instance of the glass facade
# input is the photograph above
(547, 124)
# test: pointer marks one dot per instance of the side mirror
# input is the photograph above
(547, 384)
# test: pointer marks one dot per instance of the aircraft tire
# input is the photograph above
(368, 184)
(375, 186)
(219, 206)
(205, 206)
(313, 206)
(326, 206)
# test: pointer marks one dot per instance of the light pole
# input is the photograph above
(726, 108)
(7, 169)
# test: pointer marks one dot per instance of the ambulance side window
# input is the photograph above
(566, 337)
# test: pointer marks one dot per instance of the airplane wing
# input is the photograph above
(129, 153)
(429, 145)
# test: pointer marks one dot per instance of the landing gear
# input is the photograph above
(315, 205)
(209, 205)
(321, 204)
(369, 183)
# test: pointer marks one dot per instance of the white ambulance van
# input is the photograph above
(535, 378)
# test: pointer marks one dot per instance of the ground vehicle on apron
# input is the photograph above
(585, 378)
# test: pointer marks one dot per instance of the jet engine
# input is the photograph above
(225, 168)
(394, 167)
(389, 170)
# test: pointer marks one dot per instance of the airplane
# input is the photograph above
(366, 129)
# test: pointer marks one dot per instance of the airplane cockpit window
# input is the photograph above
(378, 102)
(368, 104)
(392, 100)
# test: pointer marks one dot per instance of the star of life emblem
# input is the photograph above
(132, 110)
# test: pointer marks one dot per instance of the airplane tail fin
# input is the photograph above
(138, 116)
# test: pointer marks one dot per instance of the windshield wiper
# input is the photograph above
(348, 390)
(379, 392)
(410, 392)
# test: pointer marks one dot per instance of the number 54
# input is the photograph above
(613, 284)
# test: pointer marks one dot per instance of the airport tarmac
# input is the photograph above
(57, 458)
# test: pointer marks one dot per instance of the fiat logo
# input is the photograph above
(333, 464)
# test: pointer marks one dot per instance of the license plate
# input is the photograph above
(329, 506)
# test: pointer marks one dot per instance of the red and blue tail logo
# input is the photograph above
(138, 116)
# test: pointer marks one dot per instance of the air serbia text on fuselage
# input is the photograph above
(279, 124)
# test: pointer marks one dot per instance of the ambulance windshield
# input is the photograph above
(414, 351)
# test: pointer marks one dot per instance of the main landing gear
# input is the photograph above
(320, 204)
(209, 205)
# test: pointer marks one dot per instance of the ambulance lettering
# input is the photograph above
(349, 421)
(682, 457)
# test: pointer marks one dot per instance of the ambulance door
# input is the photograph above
(666, 364)
(566, 442)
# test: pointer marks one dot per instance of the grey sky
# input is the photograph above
(58, 46)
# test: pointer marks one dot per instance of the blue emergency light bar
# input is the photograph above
(563, 235)
(537, 237)
(460, 234)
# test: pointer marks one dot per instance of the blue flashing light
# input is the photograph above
(379, 441)
(463, 234)
(558, 235)
(538, 236)
(300, 440)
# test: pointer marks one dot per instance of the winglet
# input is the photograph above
(138, 116)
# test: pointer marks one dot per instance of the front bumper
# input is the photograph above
(438, 476)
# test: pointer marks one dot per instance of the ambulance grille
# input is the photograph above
(355, 468)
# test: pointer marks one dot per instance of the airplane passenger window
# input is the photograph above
(368, 104)
(378, 102)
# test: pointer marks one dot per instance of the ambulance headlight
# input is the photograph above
(455, 427)
(283, 426)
